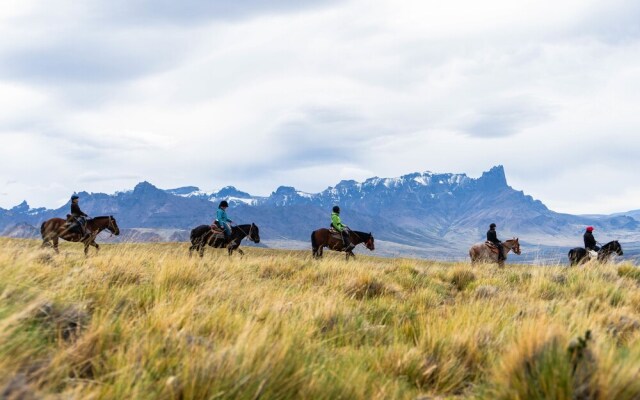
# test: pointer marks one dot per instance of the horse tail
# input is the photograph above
(314, 243)
(42, 229)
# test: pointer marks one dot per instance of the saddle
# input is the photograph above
(335, 234)
(73, 225)
(492, 247)
(216, 229)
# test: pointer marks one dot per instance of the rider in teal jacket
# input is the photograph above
(337, 224)
(222, 220)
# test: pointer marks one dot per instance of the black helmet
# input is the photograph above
(74, 197)
(336, 209)
(223, 203)
(492, 225)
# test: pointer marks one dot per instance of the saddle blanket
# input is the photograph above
(491, 246)
(335, 234)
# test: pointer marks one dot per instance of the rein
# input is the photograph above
(360, 238)
(245, 233)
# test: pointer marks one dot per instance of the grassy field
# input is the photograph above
(146, 321)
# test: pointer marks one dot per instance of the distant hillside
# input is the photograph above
(442, 212)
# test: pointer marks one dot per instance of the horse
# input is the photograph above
(58, 228)
(578, 255)
(323, 237)
(481, 252)
(203, 235)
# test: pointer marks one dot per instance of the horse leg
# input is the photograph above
(55, 245)
(241, 252)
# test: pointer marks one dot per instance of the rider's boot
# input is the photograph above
(85, 235)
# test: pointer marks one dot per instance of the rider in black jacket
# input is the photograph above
(79, 216)
(492, 237)
(589, 240)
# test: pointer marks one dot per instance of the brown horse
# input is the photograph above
(323, 237)
(57, 228)
(481, 252)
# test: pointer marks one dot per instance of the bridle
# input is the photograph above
(367, 243)
(247, 234)
(110, 226)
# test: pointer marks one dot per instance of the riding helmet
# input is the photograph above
(336, 209)
(589, 228)
(492, 226)
(74, 197)
(223, 203)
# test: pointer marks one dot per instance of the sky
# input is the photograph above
(102, 94)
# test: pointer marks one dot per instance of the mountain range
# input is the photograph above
(435, 215)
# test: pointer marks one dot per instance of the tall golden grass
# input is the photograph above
(146, 321)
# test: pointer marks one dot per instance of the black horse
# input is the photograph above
(323, 237)
(578, 255)
(203, 235)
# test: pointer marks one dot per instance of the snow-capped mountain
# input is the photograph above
(424, 210)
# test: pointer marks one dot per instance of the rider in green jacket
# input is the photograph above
(337, 224)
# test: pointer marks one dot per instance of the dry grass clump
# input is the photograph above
(368, 287)
(536, 366)
(147, 321)
(460, 277)
(629, 271)
(485, 292)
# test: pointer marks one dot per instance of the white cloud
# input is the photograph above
(308, 94)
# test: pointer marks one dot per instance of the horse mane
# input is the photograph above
(241, 225)
(610, 244)
(103, 217)
(365, 235)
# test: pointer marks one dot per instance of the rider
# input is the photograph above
(79, 216)
(492, 237)
(337, 224)
(589, 240)
(222, 220)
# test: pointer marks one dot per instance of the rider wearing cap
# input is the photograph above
(337, 224)
(79, 216)
(222, 220)
(492, 237)
(589, 240)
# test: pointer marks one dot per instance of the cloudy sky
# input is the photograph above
(100, 95)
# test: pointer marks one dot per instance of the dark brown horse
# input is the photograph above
(204, 235)
(58, 228)
(323, 237)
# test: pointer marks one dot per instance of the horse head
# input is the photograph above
(254, 233)
(113, 226)
(369, 243)
(515, 245)
(614, 247)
